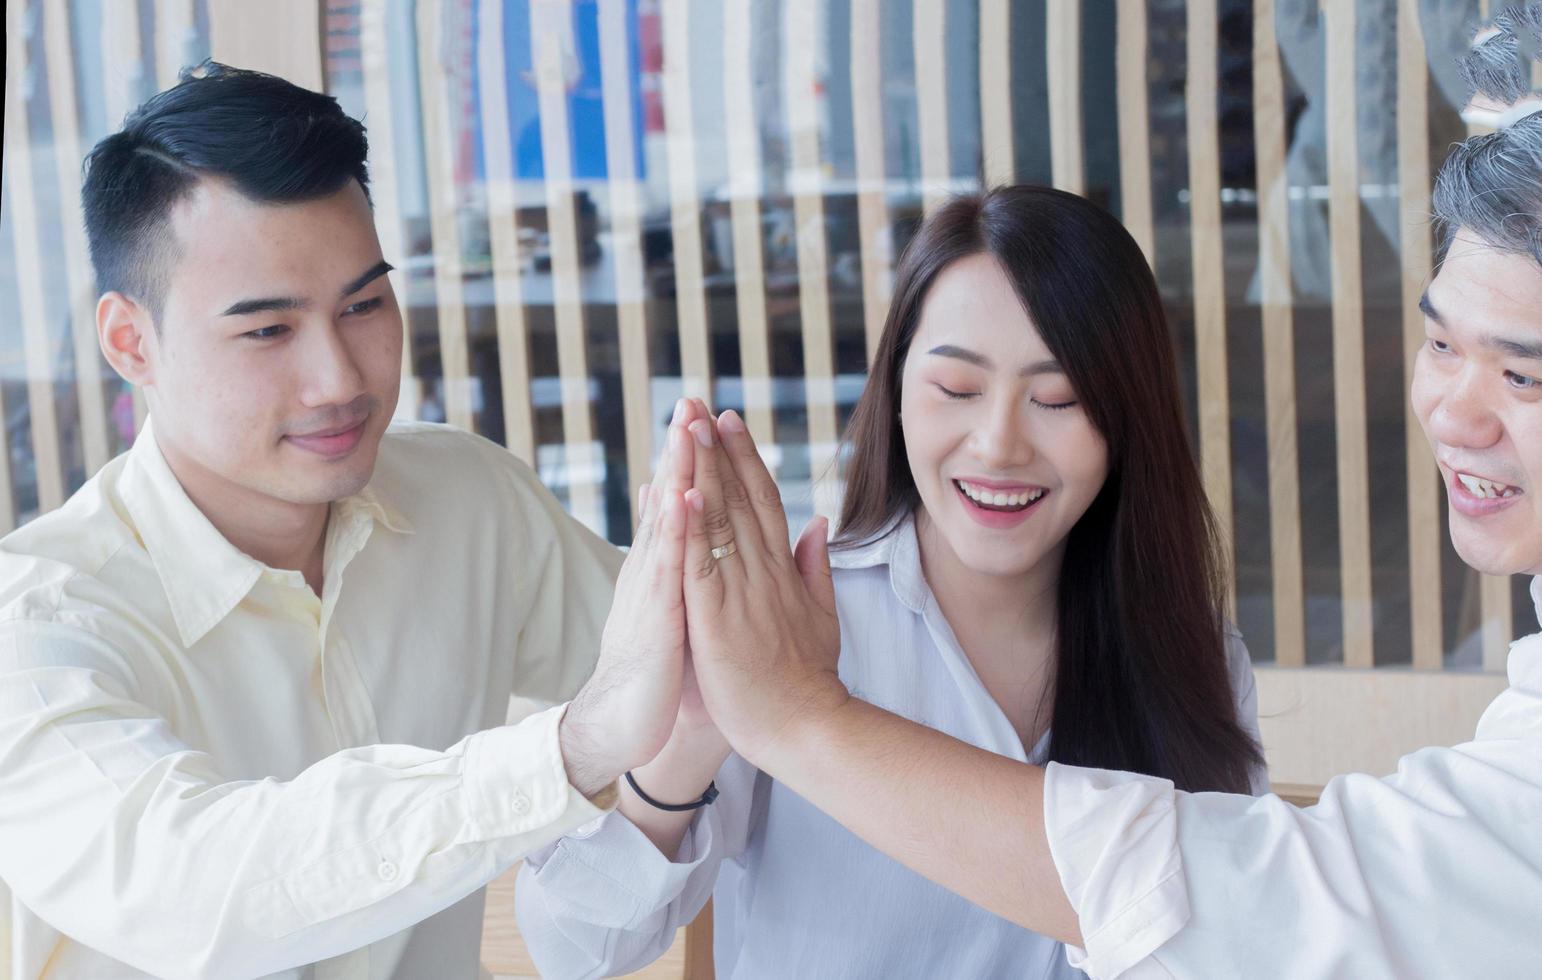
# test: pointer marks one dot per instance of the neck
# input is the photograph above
(1005, 625)
(279, 533)
(1000, 607)
(1018, 603)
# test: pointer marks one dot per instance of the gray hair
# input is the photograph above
(1499, 65)
(1492, 186)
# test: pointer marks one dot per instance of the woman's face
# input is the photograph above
(1000, 447)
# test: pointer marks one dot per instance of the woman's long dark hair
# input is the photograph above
(1141, 678)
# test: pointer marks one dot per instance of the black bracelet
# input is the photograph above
(707, 797)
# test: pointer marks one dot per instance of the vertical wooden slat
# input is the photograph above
(77, 260)
(1498, 620)
(684, 202)
(699, 964)
(375, 64)
(995, 91)
(508, 287)
(281, 37)
(813, 288)
(1062, 55)
(872, 201)
(38, 348)
(173, 24)
(443, 210)
(1348, 336)
(1413, 167)
(930, 20)
(626, 241)
(744, 188)
(173, 27)
(550, 23)
(1279, 343)
(1134, 125)
(122, 61)
(7, 497)
(1209, 282)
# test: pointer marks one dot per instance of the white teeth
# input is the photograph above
(991, 498)
(1487, 489)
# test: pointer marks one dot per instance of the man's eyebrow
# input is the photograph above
(375, 272)
(1050, 366)
(1527, 349)
(1428, 309)
(278, 304)
(268, 304)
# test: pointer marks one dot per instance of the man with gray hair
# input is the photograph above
(1435, 871)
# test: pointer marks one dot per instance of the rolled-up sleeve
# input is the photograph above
(1114, 839)
(1433, 872)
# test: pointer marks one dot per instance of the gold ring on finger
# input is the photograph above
(724, 551)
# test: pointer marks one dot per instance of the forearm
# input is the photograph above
(968, 819)
(680, 773)
(168, 867)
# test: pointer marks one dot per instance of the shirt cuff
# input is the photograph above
(1114, 840)
(517, 782)
(610, 874)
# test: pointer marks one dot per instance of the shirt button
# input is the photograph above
(520, 802)
(387, 871)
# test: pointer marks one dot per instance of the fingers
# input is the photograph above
(703, 580)
(666, 557)
(813, 559)
(760, 491)
(673, 472)
(710, 472)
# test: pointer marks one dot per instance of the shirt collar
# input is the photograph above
(1536, 597)
(895, 546)
(203, 574)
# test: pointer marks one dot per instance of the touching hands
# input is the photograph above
(761, 616)
(719, 635)
(624, 713)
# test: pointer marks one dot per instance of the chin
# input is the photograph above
(1493, 557)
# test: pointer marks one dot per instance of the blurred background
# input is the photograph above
(595, 206)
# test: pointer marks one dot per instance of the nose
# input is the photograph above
(331, 372)
(1002, 440)
(1462, 417)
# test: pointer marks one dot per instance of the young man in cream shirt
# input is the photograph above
(254, 674)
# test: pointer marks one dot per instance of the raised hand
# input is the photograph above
(763, 629)
(624, 713)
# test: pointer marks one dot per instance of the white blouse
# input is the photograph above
(796, 894)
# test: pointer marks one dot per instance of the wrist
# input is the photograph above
(684, 767)
(814, 718)
(587, 753)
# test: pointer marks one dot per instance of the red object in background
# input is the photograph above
(650, 67)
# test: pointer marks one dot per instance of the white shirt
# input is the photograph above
(795, 893)
(208, 771)
(1433, 872)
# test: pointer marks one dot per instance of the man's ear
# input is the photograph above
(124, 329)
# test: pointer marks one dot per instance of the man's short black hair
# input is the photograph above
(274, 141)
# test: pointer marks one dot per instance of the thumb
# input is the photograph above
(812, 555)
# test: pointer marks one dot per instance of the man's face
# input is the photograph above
(1477, 391)
(275, 368)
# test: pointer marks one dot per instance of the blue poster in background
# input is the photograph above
(586, 115)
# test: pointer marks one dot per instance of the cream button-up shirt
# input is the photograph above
(206, 770)
(1433, 872)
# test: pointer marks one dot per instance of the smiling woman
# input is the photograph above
(1025, 561)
